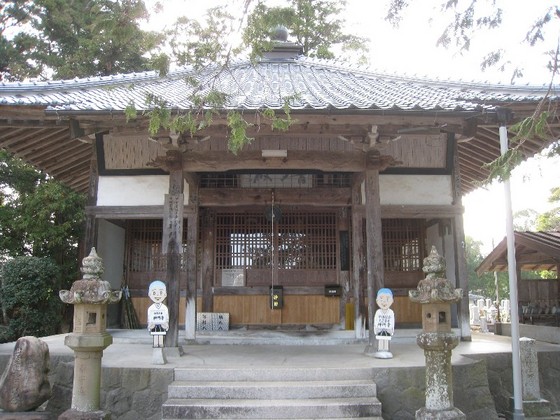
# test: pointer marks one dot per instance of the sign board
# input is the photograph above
(172, 224)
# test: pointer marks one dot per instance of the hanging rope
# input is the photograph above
(272, 261)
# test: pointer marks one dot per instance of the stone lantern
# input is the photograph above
(436, 294)
(90, 297)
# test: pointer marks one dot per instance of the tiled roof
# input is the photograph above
(314, 85)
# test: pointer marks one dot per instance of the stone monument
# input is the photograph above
(534, 406)
(24, 385)
(436, 294)
(90, 297)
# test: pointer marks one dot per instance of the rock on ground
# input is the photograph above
(24, 385)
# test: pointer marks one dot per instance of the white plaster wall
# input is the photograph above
(140, 190)
(415, 189)
(110, 247)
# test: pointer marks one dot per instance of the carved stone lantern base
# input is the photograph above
(90, 297)
(436, 294)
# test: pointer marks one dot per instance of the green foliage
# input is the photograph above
(191, 121)
(534, 127)
(200, 44)
(29, 297)
(466, 22)
(525, 220)
(500, 168)
(16, 175)
(205, 107)
(484, 285)
(277, 123)
(238, 131)
(13, 63)
(186, 123)
(39, 216)
(531, 127)
(130, 112)
(550, 220)
(213, 99)
(80, 38)
(315, 24)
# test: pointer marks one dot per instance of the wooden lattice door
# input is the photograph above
(293, 248)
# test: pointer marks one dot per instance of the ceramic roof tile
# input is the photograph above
(312, 83)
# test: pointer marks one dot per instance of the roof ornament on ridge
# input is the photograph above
(282, 49)
(279, 34)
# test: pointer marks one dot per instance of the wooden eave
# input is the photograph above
(534, 251)
(60, 143)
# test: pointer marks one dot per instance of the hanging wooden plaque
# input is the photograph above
(172, 224)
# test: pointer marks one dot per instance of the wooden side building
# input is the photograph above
(350, 198)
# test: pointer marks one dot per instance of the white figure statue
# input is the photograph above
(158, 315)
(384, 323)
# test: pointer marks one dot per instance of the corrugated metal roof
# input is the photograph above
(313, 84)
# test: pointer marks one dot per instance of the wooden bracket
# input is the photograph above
(375, 160)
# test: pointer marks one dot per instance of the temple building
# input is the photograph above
(300, 226)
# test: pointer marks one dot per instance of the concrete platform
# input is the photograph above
(133, 387)
(132, 348)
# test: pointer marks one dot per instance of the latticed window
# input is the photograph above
(143, 243)
(292, 240)
(403, 244)
(307, 241)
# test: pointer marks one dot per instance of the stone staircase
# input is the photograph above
(272, 393)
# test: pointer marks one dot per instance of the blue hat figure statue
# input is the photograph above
(158, 319)
(384, 323)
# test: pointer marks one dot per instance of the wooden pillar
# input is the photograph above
(556, 295)
(374, 253)
(172, 243)
(90, 231)
(207, 261)
(358, 258)
(343, 256)
(191, 260)
(462, 276)
(461, 272)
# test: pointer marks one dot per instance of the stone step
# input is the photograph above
(272, 374)
(301, 418)
(272, 389)
(272, 393)
(319, 408)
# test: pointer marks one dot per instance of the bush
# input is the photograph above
(29, 297)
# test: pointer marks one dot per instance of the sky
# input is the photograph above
(411, 49)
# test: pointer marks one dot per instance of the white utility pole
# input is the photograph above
(503, 117)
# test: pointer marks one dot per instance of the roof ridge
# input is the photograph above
(92, 81)
(367, 70)
(336, 64)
